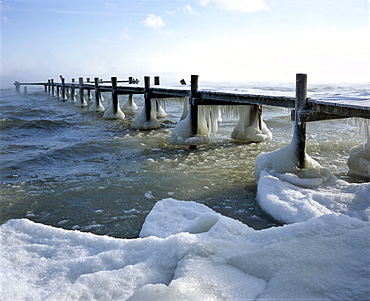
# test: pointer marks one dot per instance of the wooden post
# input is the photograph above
(16, 84)
(148, 102)
(193, 107)
(97, 91)
(81, 90)
(48, 86)
(300, 126)
(130, 80)
(52, 88)
(58, 95)
(89, 97)
(156, 83)
(64, 98)
(156, 80)
(114, 94)
(72, 95)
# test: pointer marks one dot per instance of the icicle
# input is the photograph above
(186, 109)
(250, 126)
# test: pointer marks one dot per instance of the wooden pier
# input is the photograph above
(303, 108)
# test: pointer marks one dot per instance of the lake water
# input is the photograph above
(67, 167)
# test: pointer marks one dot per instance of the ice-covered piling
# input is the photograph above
(147, 119)
(89, 96)
(64, 96)
(72, 96)
(96, 105)
(250, 126)
(359, 159)
(52, 87)
(193, 130)
(114, 112)
(130, 105)
(81, 102)
(160, 112)
(299, 136)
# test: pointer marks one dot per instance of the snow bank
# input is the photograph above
(216, 258)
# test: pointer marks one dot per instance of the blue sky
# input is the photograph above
(221, 40)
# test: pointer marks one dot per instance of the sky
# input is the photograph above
(219, 40)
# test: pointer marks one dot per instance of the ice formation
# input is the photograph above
(81, 102)
(97, 107)
(359, 160)
(72, 96)
(130, 105)
(188, 252)
(251, 126)
(110, 114)
(141, 122)
(294, 195)
(185, 110)
(207, 123)
(161, 113)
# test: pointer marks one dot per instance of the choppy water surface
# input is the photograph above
(68, 167)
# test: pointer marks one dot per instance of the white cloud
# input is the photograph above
(153, 21)
(189, 10)
(244, 6)
(123, 35)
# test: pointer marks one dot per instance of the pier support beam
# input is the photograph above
(130, 105)
(72, 96)
(89, 96)
(64, 96)
(17, 87)
(81, 101)
(193, 107)
(147, 99)
(299, 136)
(52, 87)
(147, 119)
(49, 85)
(160, 113)
(97, 106)
(114, 112)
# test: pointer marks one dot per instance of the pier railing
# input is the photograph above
(303, 108)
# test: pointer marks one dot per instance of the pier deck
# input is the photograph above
(304, 109)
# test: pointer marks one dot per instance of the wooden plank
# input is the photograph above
(31, 84)
(232, 98)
